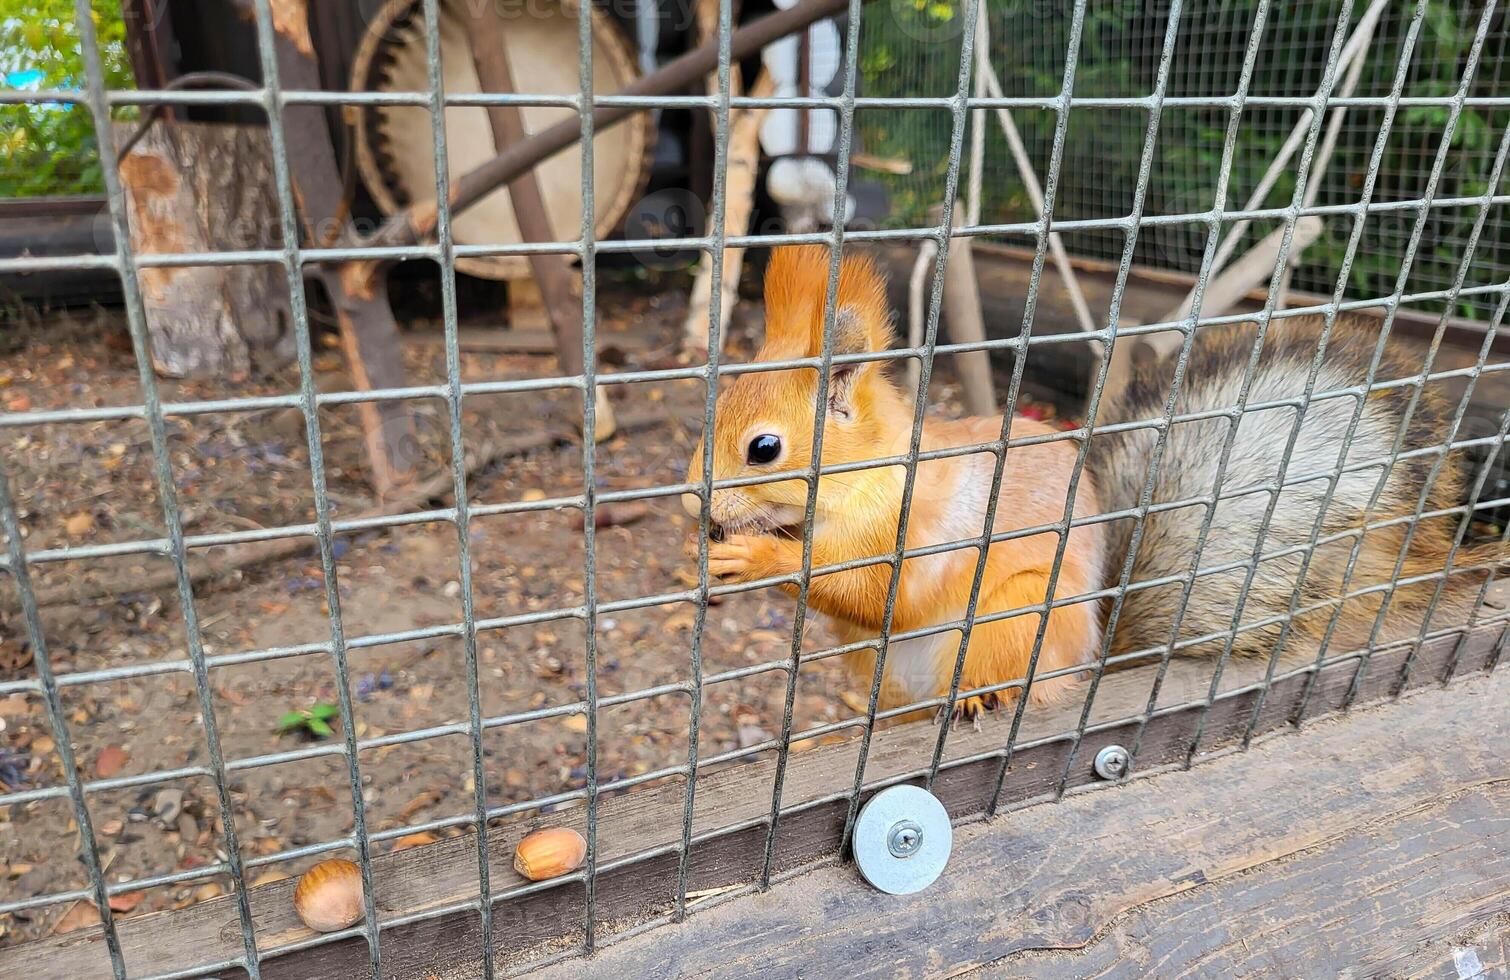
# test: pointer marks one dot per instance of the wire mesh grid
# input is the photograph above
(1204, 78)
(1028, 48)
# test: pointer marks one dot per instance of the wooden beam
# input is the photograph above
(553, 273)
(369, 334)
(1311, 855)
(638, 829)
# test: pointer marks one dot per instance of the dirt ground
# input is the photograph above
(93, 483)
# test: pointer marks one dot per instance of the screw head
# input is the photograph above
(1112, 762)
(905, 838)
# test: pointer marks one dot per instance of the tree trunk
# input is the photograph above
(201, 187)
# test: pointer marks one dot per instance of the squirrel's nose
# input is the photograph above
(692, 504)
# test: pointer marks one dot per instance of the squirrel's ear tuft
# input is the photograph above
(796, 285)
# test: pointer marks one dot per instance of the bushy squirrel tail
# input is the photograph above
(1361, 527)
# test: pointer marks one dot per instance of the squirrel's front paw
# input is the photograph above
(738, 557)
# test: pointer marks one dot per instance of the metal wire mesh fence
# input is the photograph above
(1144, 145)
(1120, 61)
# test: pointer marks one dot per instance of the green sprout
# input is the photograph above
(314, 721)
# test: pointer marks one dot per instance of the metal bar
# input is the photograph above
(710, 401)
(718, 53)
(1417, 233)
(313, 97)
(586, 117)
(1474, 615)
(501, 623)
(443, 235)
(288, 214)
(960, 116)
(89, 847)
(1465, 522)
(1277, 288)
(1145, 169)
(1048, 243)
(1442, 460)
(1354, 238)
(1189, 329)
(387, 252)
(136, 320)
(835, 242)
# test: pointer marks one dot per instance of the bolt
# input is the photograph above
(905, 838)
(1112, 762)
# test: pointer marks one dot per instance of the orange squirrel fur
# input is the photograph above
(858, 512)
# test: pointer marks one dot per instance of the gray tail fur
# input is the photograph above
(1369, 490)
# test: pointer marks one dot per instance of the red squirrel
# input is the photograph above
(764, 424)
(1295, 600)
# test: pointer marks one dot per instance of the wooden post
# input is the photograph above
(1223, 292)
(962, 312)
(553, 273)
(203, 187)
(967, 325)
(369, 333)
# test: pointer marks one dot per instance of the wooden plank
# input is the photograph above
(1405, 896)
(1312, 855)
(369, 334)
(1461, 331)
(552, 273)
(637, 823)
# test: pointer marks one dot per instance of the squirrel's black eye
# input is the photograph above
(763, 449)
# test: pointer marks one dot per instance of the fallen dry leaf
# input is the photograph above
(429, 797)
(575, 723)
(80, 915)
(80, 524)
(684, 619)
(126, 902)
(111, 760)
(614, 514)
(414, 840)
(111, 827)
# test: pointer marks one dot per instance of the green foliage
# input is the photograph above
(50, 148)
(911, 48)
(313, 721)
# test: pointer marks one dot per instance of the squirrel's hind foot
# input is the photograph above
(972, 708)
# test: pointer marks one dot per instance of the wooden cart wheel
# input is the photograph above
(395, 151)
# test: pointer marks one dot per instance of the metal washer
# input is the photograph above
(894, 814)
